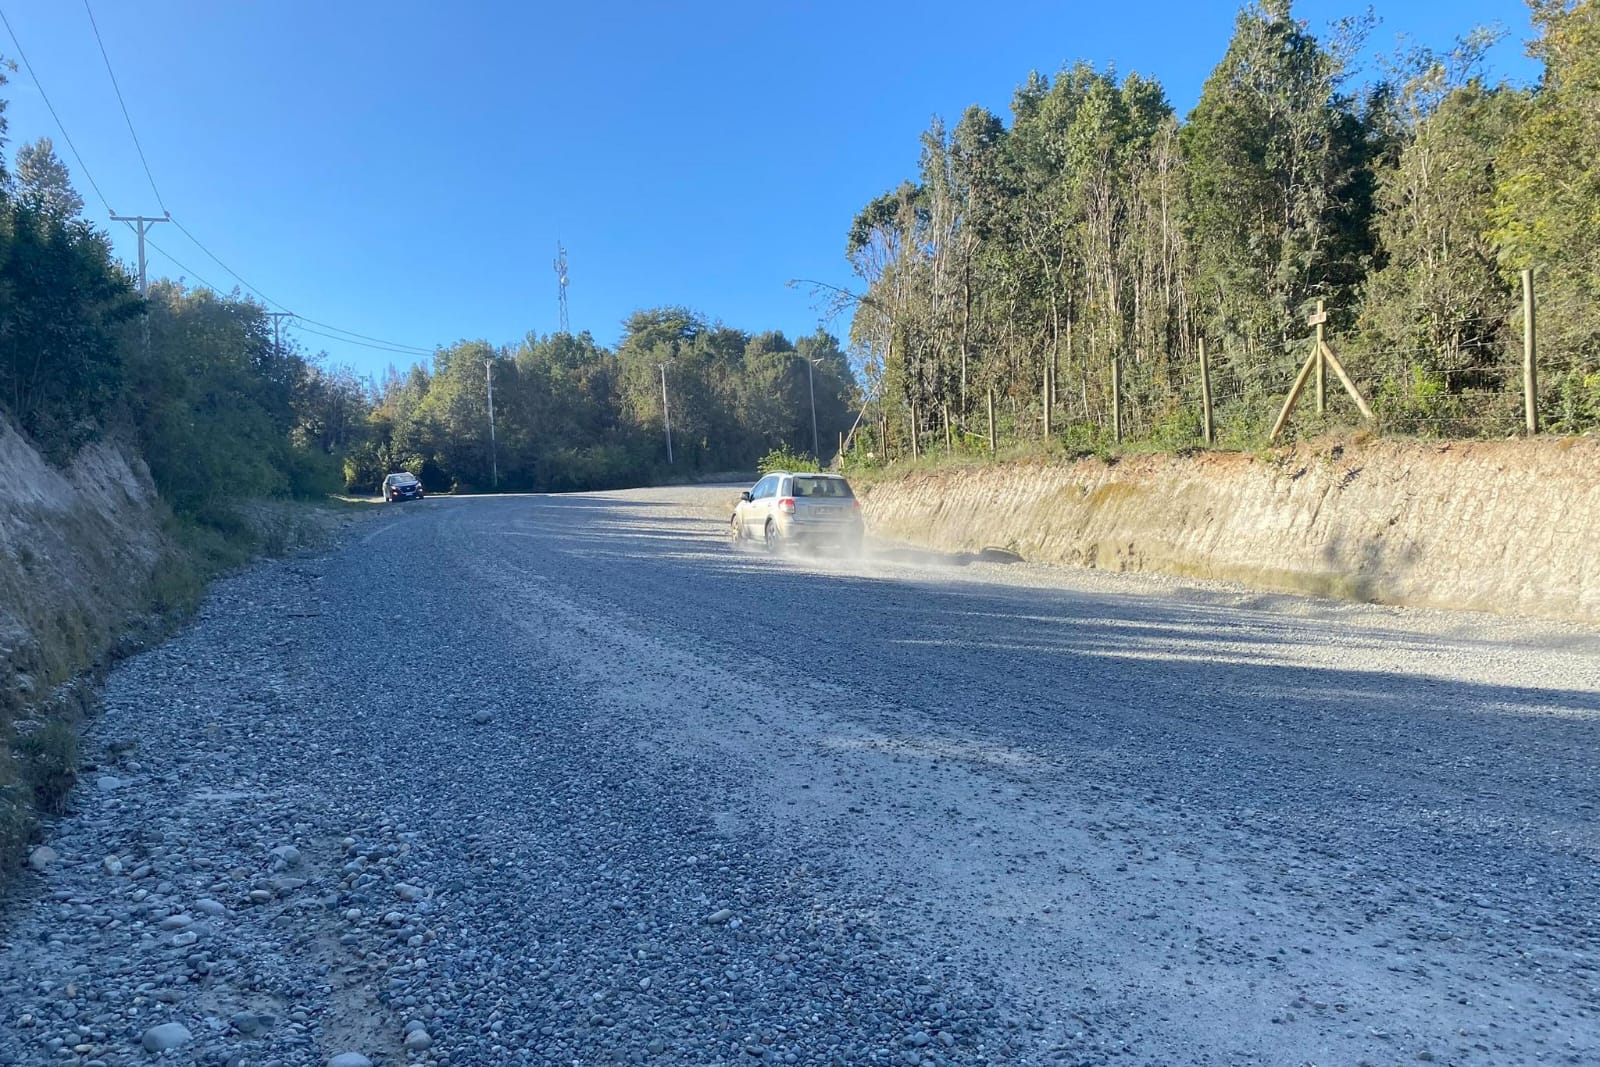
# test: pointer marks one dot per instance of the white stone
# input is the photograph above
(166, 1036)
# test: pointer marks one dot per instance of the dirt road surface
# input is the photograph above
(557, 780)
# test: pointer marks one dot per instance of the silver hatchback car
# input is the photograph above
(785, 508)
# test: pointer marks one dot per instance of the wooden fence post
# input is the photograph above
(1047, 391)
(1207, 427)
(1320, 319)
(991, 420)
(1116, 398)
(916, 446)
(1530, 356)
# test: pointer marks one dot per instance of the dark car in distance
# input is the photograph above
(401, 486)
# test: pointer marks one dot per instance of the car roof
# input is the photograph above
(801, 474)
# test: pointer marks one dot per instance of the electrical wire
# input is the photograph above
(379, 342)
(126, 117)
(139, 147)
(37, 84)
(191, 273)
(345, 340)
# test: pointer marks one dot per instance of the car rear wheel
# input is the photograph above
(772, 538)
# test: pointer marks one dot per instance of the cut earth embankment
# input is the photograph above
(1500, 526)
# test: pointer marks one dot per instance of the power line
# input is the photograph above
(37, 84)
(380, 348)
(416, 349)
(126, 117)
(176, 263)
(377, 342)
(236, 276)
(397, 345)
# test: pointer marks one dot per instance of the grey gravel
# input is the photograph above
(734, 808)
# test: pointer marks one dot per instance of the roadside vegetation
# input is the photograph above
(1087, 244)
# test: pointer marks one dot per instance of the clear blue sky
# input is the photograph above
(404, 169)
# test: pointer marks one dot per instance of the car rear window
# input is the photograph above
(837, 488)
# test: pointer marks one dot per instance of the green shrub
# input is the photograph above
(783, 459)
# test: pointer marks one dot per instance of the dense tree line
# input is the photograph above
(1098, 230)
(570, 414)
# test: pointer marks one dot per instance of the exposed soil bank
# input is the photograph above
(78, 547)
(94, 565)
(1503, 526)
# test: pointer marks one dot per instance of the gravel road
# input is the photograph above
(555, 780)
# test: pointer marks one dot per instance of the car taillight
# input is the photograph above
(855, 504)
(786, 505)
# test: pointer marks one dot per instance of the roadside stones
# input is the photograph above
(111, 865)
(482, 718)
(42, 857)
(721, 915)
(418, 1040)
(109, 783)
(177, 922)
(166, 1036)
(409, 892)
(213, 908)
(349, 1059)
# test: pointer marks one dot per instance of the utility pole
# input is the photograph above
(141, 225)
(811, 384)
(666, 415)
(277, 342)
(494, 453)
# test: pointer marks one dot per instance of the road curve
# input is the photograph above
(573, 780)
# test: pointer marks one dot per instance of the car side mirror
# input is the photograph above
(745, 496)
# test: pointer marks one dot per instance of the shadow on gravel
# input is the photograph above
(1200, 701)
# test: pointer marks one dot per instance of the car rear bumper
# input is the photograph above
(822, 532)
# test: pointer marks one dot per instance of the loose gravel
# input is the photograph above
(571, 780)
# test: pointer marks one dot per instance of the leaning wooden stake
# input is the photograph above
(1327, 354)
(1207, 426)
(1294, 395)
(991, 419)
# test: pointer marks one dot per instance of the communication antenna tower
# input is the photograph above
(561, 284)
